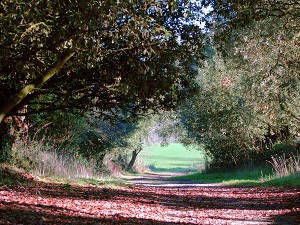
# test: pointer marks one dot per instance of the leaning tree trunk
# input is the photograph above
(7, 126)
(132, 161)
(17, 98)
(134, 156)
(100, 161)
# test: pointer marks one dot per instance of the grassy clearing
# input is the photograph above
(289, 180)
(172, 158)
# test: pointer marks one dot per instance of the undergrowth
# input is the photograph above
(44, 160)
(40, 161)
(11, 175)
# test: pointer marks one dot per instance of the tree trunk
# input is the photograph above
(133, 159)
(6, 140)
(11, 129)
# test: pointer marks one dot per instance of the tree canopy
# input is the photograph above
(234, 85)
(248, 96)
(112, 55)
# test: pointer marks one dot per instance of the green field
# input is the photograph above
(173, 158)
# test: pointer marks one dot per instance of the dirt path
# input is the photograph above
(234, 205)
(153, 201)
(162, 180)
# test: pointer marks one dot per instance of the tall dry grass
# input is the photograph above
(43, 159)
(285, 166)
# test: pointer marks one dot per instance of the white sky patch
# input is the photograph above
(205, 12)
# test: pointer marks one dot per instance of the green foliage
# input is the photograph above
(80, 55)
(6, 142)
(287, 149)
(248, 96)
(117, 59)
(229, 15)
(94, 138)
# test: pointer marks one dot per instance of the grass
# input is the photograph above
(172, 158)
(176, 158)
(254, 177)
(289, 180)
(104, 181)
(10, 175)
(224, 177)
(66, 169)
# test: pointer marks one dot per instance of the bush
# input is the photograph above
(228, 156)
(286, 149)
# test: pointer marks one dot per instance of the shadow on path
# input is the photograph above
(163, 180)
(154, 200)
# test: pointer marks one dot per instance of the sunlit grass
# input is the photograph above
(172, 158)
(257, 177)
(83, 181)
(289, 180)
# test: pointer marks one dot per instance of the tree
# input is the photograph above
(136, 140)
(91, 53)
(134, 155)
(110, 55)
(248, 97)
(262, 37)
(229, 15)
(96, 138)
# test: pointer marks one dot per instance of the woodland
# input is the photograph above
(86, 85)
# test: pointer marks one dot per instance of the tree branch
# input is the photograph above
(17, 98)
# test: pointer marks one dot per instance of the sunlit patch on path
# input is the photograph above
(145, 204)
(162, 180)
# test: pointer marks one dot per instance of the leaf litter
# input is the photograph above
(45, 203)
